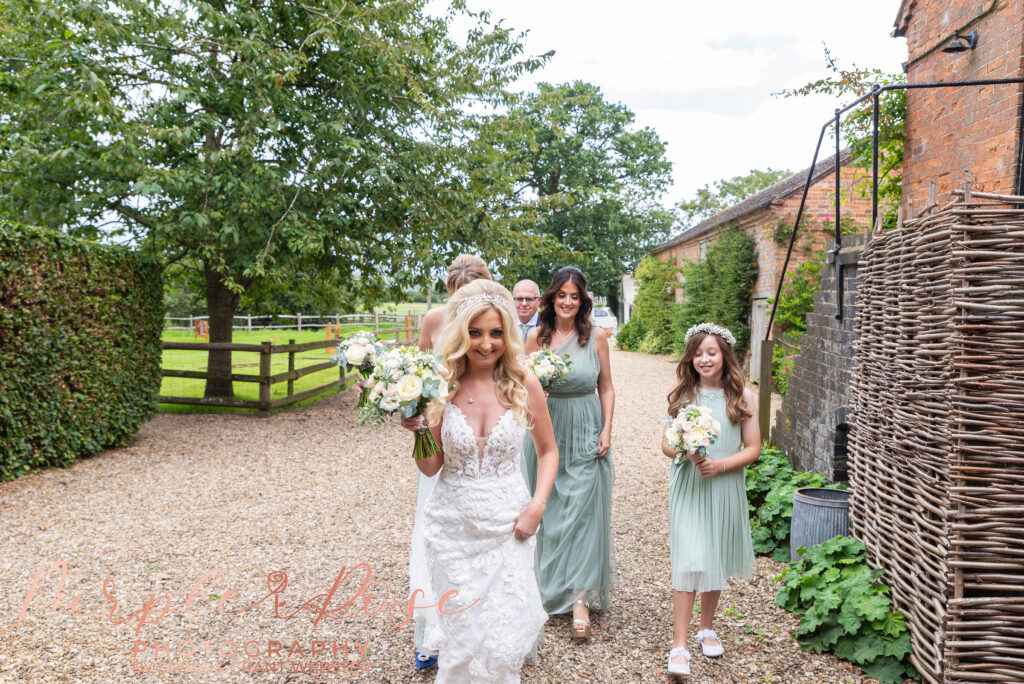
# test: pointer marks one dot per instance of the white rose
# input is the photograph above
(716, 427)
(705, 422)
(410, 387)
(356, 354)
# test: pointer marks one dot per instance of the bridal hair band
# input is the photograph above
(480, 298)
(711, 329)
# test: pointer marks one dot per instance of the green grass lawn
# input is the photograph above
(247, 363)
(407, 307)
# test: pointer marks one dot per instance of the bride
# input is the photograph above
(479, 522)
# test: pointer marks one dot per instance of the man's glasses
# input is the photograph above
(525, 300)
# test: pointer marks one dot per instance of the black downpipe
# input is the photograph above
(1020, 150)
(874, 156)
(839, 240)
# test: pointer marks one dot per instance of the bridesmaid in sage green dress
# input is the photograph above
(709, 526)
(575, 558)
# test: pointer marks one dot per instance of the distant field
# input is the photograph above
(407, 307)
(247, 363)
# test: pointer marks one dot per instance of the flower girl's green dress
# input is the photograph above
(574, 542)
(709, 525)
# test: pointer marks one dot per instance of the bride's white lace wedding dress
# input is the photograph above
(469, 519)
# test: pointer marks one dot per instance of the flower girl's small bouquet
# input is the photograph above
(404, 380)
(357, 352)
(549, 367)
(692, 430)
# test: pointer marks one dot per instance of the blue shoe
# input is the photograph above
(424, 661)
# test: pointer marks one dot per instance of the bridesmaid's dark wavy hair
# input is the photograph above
(546, 317)
(689, 380)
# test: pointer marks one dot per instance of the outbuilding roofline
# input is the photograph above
(765, 198)
(902, 18)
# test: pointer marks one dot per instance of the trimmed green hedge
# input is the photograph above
(649, 329)
(80, 348)
(718, 288)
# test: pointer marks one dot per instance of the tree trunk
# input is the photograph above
(221, 304)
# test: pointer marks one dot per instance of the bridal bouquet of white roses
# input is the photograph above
(549, 367)
(404, 380)
(357, 352)
(692, 430)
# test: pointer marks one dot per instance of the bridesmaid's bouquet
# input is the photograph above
(358, 352)
(692, 430)
(404, 380)
(549, 367)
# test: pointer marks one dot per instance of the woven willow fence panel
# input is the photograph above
(937, 433)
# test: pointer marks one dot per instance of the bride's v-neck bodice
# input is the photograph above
(468, 455)
(494, 614)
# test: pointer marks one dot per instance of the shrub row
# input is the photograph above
(717, 288)
(80, 347)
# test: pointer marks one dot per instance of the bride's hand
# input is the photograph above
(414, 424)
(527, 522)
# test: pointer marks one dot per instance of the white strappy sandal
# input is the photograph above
(580, 627)
(677, 668)
(710, 651)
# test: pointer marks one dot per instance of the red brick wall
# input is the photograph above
(762, 223)
(953, 129)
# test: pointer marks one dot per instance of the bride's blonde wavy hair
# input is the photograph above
(465, 304)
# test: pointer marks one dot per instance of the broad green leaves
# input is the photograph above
(843, 607)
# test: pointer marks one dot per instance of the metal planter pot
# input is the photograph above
(818, 515)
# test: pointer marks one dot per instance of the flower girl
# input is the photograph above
(709, 528)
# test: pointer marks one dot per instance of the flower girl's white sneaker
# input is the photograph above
(710, 651)
(677, 668)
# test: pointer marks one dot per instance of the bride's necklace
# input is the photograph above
(468, 393)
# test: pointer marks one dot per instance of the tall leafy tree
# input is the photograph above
(724, 193)
(596, 178)
(259, 136)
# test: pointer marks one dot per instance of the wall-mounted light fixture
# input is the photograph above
(960, 43)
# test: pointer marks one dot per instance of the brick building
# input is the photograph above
(950, 130)
(768, 217)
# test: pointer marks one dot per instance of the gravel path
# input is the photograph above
(304, 493)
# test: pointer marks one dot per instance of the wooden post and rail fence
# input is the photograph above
(266, 379)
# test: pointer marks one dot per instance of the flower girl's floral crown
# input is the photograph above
(480, 298)
(712, 329)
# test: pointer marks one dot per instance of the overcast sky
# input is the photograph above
(702, 73)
